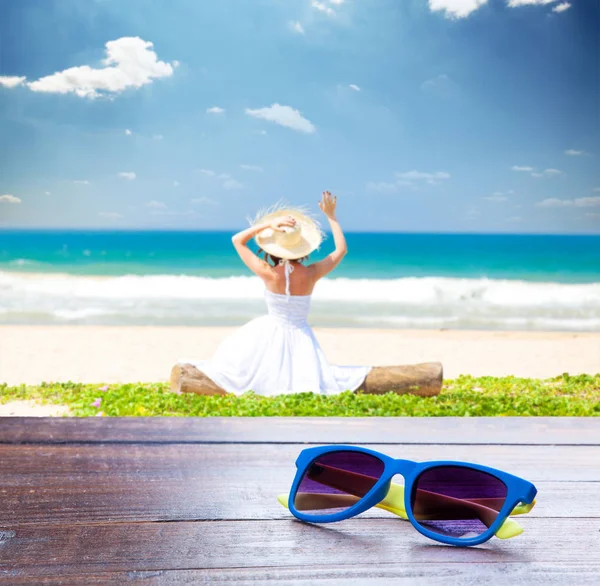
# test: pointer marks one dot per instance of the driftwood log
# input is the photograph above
(417, 379)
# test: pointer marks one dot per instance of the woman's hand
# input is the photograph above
(279, 224)
(327, 204)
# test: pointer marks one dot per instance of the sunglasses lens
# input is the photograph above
(457, 501)
(335, 481)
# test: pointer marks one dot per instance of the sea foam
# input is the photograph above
(405, 302)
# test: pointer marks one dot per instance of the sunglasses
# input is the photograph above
(452, 502)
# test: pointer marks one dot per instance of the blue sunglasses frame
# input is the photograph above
(520, 497)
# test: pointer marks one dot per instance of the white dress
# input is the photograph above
(277, 354)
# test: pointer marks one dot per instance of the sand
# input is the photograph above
(106, 354)
(32, 409)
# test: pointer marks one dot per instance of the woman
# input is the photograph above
(278, 353)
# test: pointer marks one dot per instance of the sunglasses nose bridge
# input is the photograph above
(402, 467)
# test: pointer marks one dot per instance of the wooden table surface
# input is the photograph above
(171, 500)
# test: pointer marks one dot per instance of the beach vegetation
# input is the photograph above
(465, 396)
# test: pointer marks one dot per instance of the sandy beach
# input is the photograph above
(32, 354)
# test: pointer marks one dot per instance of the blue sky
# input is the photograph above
(421, 115)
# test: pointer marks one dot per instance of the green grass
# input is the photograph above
(465, 396)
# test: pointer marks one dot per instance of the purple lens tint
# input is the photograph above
(457, 501)
(335, 481)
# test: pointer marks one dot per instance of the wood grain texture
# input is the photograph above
(59, 463)
(90, 548)
(84, 483)
(361, 430)
(81, 483)
(177, 501)
(415, 574)
(424, 380)
(118, 500)
(186, 378)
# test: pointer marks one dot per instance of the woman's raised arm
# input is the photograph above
(328, 205)
(240, 241)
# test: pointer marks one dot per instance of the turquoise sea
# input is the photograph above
(518, 282)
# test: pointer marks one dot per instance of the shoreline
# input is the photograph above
(368, 303)
(30, 354)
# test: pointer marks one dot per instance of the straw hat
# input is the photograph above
(294, 241)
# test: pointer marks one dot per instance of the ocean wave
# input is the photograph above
(23, 262)
(484, 322)
(81, 313)
(405, 302)
(409, 290)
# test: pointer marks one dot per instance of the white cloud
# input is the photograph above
(263, 132)
(547, 173)
(420, 175)
(207, 172)
(472, 213)
(321, 7)
(516, 3)
(130, 63)
(382, 186)
(338, 2)
(553, 202)
(296, 27)
(203, 200)
(81, 182)
(172, 213)
(176, 184)
(111, 215)
(231, 183)
(587, 202)
(354, 87)
(11, 81)
(215, 110)
(251, 168)
(497, 197)
(520, 168)
(431, 178)
(129, 175)
(562, 7)
(442, 86)
(47, 193)
(455, 8)
(157, 205)
(574, 153)
(581, 202)
(284, 116)
(8, 198)
(175, 63)
(158, 137)
(128, 132)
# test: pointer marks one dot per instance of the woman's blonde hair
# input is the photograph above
(275, 260)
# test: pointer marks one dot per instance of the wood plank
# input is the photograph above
(76, 549)
(417, 574)
(362, 430)
(80, 483)
(118, 500)
(64, 462)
